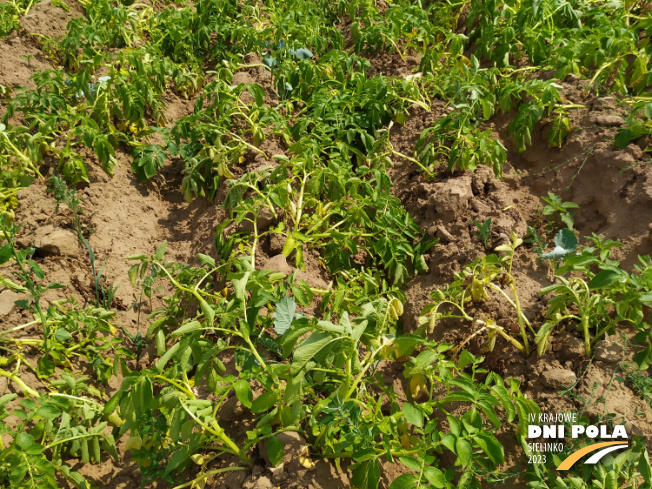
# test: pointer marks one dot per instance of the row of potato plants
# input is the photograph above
(170, 49)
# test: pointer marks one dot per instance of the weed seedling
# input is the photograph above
(104, 294)
(28, 59)
(63, 194)
(535, 239)
(561, 210)
(640, 383)
(565, 243)
(484, 231)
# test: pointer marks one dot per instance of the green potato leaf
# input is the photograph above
(413, 414)
(604, 279)
(244, 393)
(283, 314)
(275, 450)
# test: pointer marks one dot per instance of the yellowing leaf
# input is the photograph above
(305, 460)
(405, 441)
(418, 387)
(198, 483)
(134, 443)
(115, 420)
(395, 308)
(289, 246)
(198, 458)
(224, 171)
(431, 322)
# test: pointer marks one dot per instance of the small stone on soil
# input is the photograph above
(443, 234)
(278, 474)
(608, 120)
(632, 429)
(558, 378)
(231, 409)
(278, 263)
(56, 242)
(452, 197)
(276, 243)
(7, 299)
(293, 444)
(608, 352)
(263, 222)
(646, 196)
(572, 347)
(265, 483)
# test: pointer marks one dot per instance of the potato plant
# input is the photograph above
(49, 428)
(310, 375)
(472, 285)
(11, 13)
(335, 206)
(598, 302)
(605, 299)
(63, 418)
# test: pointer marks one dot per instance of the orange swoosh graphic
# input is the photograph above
(574, 457)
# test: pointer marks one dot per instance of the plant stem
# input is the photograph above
(413, 160)
(76, 398)
(601, 332)
(255, 352)
(78, 437)
(36, 297)
(18, 154)
(255, 243)
(219, 432)
(177, 385)
(26, 325)
(433, 313)
(28, 390)
(499, 330)
(587, 336)
(300, 202)
(368, 361)
(516, 304)
(522, 320)
(206, 475)
(400, 453)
